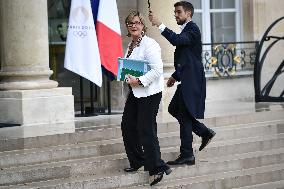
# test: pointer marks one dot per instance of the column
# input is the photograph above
(27, 95)
(24, 45)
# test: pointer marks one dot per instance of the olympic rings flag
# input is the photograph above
(82, 51)
(109, 34)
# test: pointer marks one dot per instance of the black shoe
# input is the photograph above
(207, 139)
(159, 176)
(183, 160)
(131, 169)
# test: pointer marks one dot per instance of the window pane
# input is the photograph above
(58, 9)
(197, 18)
(196, 3)
(58, 13)
(222, 4)
(223, 27)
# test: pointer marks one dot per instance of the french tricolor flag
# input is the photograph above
(93, 39)
(108, 34)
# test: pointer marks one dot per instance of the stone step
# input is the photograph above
(270, 185)
(108, 128)
(223, 180)
(115, 146)
(223, 174)
(96, 158)
(245, 145)
(108, 165)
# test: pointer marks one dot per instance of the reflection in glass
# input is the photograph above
(58, 13)
(58, 8)
(222, 4)
(223, 27)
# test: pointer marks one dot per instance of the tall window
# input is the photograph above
(223, 20)
(219, 20)
(197, 17)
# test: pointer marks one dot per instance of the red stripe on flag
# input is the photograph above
(110, 47)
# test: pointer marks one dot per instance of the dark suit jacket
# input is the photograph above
(188, 67)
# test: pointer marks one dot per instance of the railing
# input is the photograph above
(263, 95)
(229, 59)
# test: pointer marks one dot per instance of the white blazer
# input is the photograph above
(153, 80)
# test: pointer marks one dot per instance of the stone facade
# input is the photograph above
(264, 13)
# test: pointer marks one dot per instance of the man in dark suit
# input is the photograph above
(188, 102)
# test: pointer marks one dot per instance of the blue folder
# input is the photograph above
(132, 67)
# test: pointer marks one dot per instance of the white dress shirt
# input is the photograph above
(163, 26)
(153, 80)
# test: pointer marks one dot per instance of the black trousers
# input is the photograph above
(188, 123)
(139, 131)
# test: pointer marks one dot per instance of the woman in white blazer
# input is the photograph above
(139, 126)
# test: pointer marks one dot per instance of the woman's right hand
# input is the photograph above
(132, 81)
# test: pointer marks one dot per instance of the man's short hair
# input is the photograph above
(187, 6)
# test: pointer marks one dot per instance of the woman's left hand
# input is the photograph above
(132, 81)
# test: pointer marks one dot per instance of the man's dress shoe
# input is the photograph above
(207, 139)
(159, 176)
(130, 169)
(183, 160)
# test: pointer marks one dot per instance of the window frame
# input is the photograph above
(206, 19)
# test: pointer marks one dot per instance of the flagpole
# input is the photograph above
(92, 108)
(108, 96)
(81, 96)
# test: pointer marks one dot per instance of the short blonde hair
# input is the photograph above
(130, 17)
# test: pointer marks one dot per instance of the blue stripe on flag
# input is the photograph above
(95, 9)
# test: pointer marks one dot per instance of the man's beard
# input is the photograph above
(181, 22)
